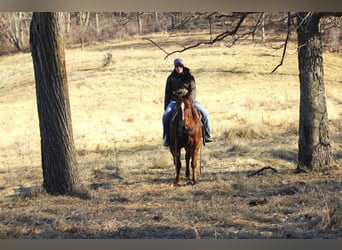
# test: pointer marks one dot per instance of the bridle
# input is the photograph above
(185, 125)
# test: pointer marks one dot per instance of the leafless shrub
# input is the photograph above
(247, 132)
(240, 146)
(161, 162)
(83, 192)
(30, 192)
(108, 59)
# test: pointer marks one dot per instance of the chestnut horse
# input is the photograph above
(185, 132)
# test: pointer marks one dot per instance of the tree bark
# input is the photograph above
(314, 143)
(57, 145)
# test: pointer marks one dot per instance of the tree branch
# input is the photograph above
(241, 17)
(150, 40)
(223, 35)
(286, 42)
(261, 171)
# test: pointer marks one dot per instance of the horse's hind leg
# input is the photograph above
(178, 167)
(194, 165)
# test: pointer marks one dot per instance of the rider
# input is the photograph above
(181, 78)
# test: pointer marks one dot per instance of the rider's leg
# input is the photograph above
(166, 123)
(205, 121)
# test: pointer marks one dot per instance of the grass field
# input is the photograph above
(127, 175)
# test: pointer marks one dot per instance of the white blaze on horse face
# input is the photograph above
(182, 107)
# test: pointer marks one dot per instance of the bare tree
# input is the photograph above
(14, 27)
(97, 25)
(331, 27)
(67, 22)
(314, 141)
(57, 145)
(83, 22)
(139, 22)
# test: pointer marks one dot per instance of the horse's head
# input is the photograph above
(185, 107)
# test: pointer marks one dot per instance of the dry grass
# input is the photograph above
(127, 176)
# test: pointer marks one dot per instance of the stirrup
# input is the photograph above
(166, 142)
(208, 139)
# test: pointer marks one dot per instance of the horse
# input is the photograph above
(185, 132)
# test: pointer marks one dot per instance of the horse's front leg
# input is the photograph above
(194, 164)
(178, 164)
(187, 162)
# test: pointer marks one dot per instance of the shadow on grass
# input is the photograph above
(286, 155)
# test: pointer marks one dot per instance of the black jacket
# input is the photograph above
(177, 81)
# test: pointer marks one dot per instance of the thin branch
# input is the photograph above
(148, 39)
(286, 42)
(247, 34)
(223, 35)
(262, 170)
(308, 15)
(258, 24)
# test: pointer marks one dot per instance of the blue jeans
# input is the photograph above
(167, 113)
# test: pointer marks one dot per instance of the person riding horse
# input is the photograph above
(180, 78)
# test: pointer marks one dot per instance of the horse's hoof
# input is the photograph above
(177, 184)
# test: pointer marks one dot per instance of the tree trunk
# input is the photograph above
(97, 24)
(83, 20)
(263, 36)
(139, 22)
(68, 22)
(20, 30)
(314, 142)
(57, 145)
